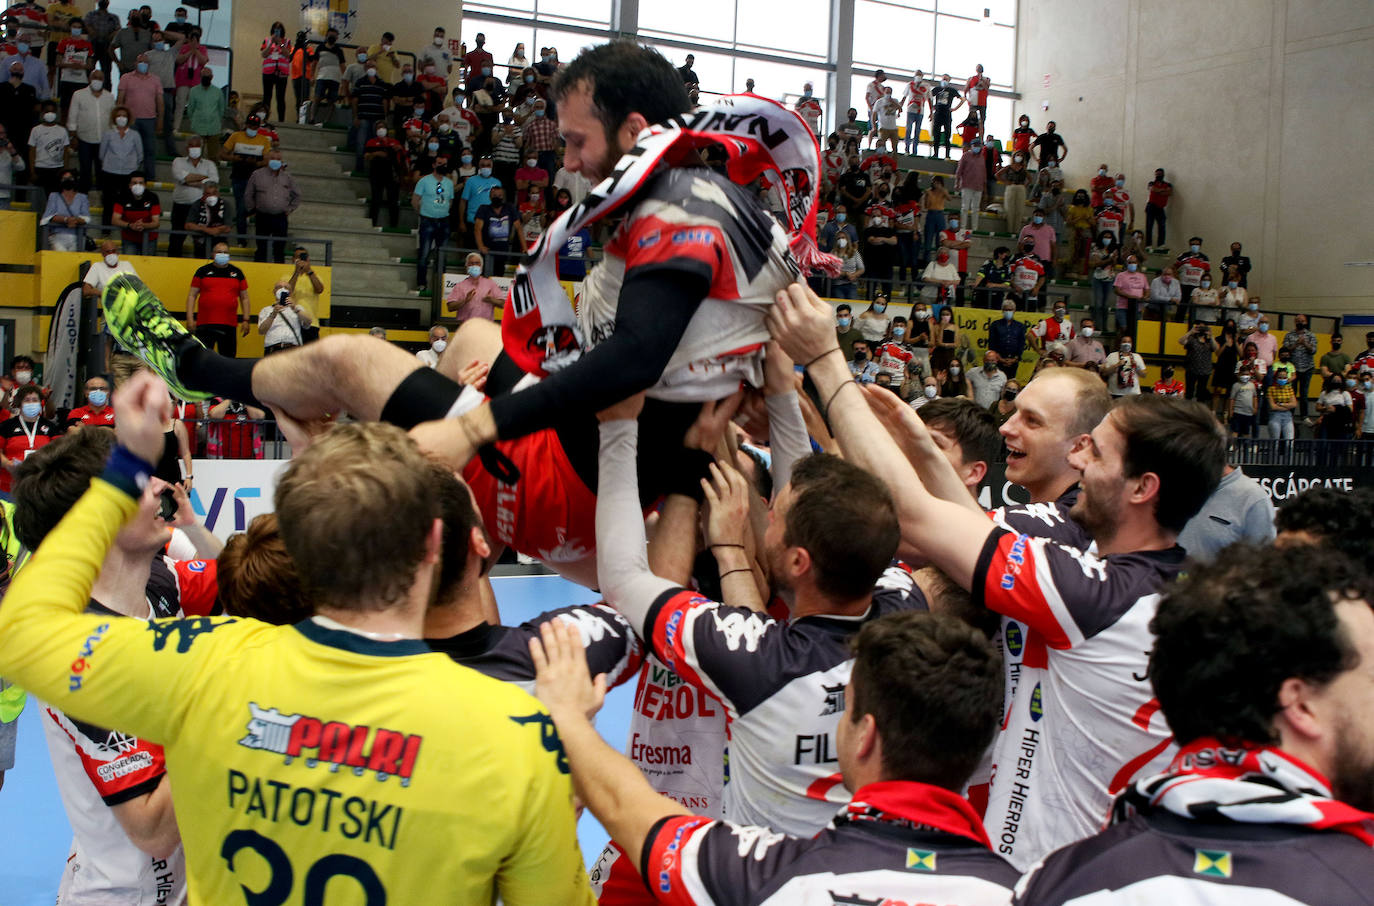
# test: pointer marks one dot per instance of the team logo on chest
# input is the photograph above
(834, 699)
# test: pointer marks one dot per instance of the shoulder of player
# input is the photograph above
(1087, 865)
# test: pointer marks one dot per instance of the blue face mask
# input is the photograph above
(1350, 383)
(485, 172)
(1037, 219)
(33, 410)
(841, 217)
(467, 159)
(474, 270)
(1264, 328)
(22, 47)
(433, 146)
(407, 77)
(1195, 248)
(142, 67)
(221, 258)
(1283, 381)
(845, 322)
(1132, 267)
(899, 332)
(98, 398)
(274, 164)
(1008, 315)
(539, 113)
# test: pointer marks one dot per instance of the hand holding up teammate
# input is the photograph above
(142, 406)
(802, 324)
(562, 681)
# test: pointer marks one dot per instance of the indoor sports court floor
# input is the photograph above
(36, 835)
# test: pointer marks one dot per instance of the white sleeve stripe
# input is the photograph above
(691, 874)
(689, 645)
(1044, 578)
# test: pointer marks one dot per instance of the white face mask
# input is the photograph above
(194, 153)
(439, 345)
(438, 42)
(111, 259)
(1088, 333)
(121, 121)
(138, 190)
(930, 392)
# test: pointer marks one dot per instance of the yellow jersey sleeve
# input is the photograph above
(106, 670)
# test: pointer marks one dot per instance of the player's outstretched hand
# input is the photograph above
(625, 410)
(900, 420)
(803, 325)
(712, 422)
(727, 502)
(562, 681)
(142, 406)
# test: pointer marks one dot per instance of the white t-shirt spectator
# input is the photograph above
(887, 110)
(987, 388)
(285, 328)
(101, 273)
(1124, 371)
(49, 142)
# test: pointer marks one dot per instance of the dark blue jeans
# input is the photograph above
(147, 133)
(433, 234)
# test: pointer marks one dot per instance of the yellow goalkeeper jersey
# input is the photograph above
(308, 765)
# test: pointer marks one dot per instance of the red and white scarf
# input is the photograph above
(539, 327)
(1253, 784)
(913, 805)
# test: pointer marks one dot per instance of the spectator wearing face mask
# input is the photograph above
(895, 353)
(944, 100)
(1085, 350)
(497, 230)
(1190, 265)
(844, 285)
(386, 162)
(283, 323)
(856, 186)
(946, 336)
(930, 390)
(1240, 262)
(1243, 404)
(1014, 178)
(1123, 369)
(66, 215)
(838, 225)
(217, 302)
(940, 280)
(388, 62)
(1132, 287)
(438, 342)
(1364, 422)
(970, 180)
(271, 196)
(1161, 190)
(329, 68)
(140, 92)
(1206, 301)
(205, 112)
(276, 67)
(97, 412)
(88, 116)
(861, 363)
(953, 381)
(1007, 340)
(1078, 222)
(1336, 410)
(1282, 403)
(476, 191)
(138, 215)
(987, 382)
(845, 331)
(1336, 361)
(1043, 236)
(478, 63)
(162, 60)
(189, 174)
(1028, 275)
(1117, 195)
(246, 151)
(475, 296)
(1235, 297)
(370, 97)
(437, 54)
(874, 322)
(1167, 385)
(1165, 295)
(880, 249)
(811, 111)
(1055, 329)
(48, 144)
(1301, 344)
(994, 279)
(208, 218)
(529, 176)
(1266, 344)
(432, 200)
(406, 96)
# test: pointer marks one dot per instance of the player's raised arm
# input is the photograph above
(949, 534)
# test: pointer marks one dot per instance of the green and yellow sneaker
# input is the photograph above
(139, 322)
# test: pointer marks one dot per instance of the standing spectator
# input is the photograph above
(517, 63)
(1302, 344)
(190, 68)
(836, 226)
(35, 73)
(101, 26)
(1131, 287)
(1335, 362)
(1190, 266)
(844, 285)
(496, 228)
(11, 163)
(66, 215)
(405, 95)
(970, 180)
(987, 382)
(162, 60)
(968, 130)
(179, 30)
(1123, 369)
(302, 64)
(1226, 367)
(1013, 179)
(276, 68)
(475, 296)
(977, 93)
(880, 250)
(887, 109)
(1027, 277)
(305, 292)
(432, 200)
(1167, 385)
(1160, 191)
(1242, 406)
(476, 193)
(1238, 261)
(1198, 348)
(874, 322)
(933, 203)
(861, 363)
(371, 99)
(217, 301)
(1118, 196)
(283, 323)
(940, 280)
(994, 279)
(385, 159)
(1007, 339)
(532, 175)
(1235, 297)
(1266, 344)
(205, 110)
(944, 100)
(1079, 222)
(1057, 329)
(1110, 219)
(138, 214)
(271, 195)
(437, 54)
(129, 42)
(810, 109)
(1103, 260)
(1085, 350)
(1051, 146)
(505, 150)
(947, 337)
(208, 218)
(434, 84)
(140, 92)
(953, 382)
(75, 57)
(1282, 402)
(1206, 302)
(1045, 243)
(872, 93)
(1336, 408)
(851, 129)
(856, 186)
(329, 67)
(438, 342)
(88, 117)
(189, 175)
(235, 438)
(1164, 295)
(48, 144)
(845, 331)
(1364, 425)
(1365, 360)
(1251, 362)
(480, 63)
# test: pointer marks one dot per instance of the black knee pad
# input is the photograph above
(425, 395)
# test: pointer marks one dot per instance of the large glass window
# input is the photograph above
(892, 37)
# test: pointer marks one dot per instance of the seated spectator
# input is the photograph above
(138, 215)
(1167, 385)
(940, 279)
(836, 226)
(1028, 275)
(1335, 409)
(475, 296)
(283, 323)
(930, 390)
(438, 342)
(1123, 369)
(994, 279)
(953, 381)
(1255, 667)
(1206, 301)
(845, 331)
(861, 363)
(208, 218)
(987, 382)
(1266, 344)
(1057, 329)
(1005, 407)
(1165, 295)
(97, 412)
(235, 437)
(25, 434)
(576, 253)
(66, 215)
(1085, 350)
(1131, 287)
(541, 138)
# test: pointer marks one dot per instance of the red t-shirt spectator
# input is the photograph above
(139, 210)
(19, 440)
(1168, 388)
(1157, 196)
(474, 62)
(219, 293)
(1099, 185)
(87, 415)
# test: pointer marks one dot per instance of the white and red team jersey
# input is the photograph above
(905, 214)
(1117, 196)
(872, 160)
(811, 111)
(886, 109)
(832, 164)
(976, 91)
(678, 738)
(875, 91)
(697, 221)
(1110, 220)
(1026, 271)
(1082, 721)
(897, 843)
(1191, 267)
(417, 124)
(958, 236)
(464, 121)
(86, 415)
(893, 359)
(917, 95)
(1051, 330)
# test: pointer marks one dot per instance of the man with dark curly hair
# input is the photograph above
(1264, 669)
(1329, 517)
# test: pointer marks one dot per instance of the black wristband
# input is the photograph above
(821, 356)
(825, 411)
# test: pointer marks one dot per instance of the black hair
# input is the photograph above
(973, 428)
(52, 480)
(625, 77)
(845, 519)
(1339, 520)
(1179, 441)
